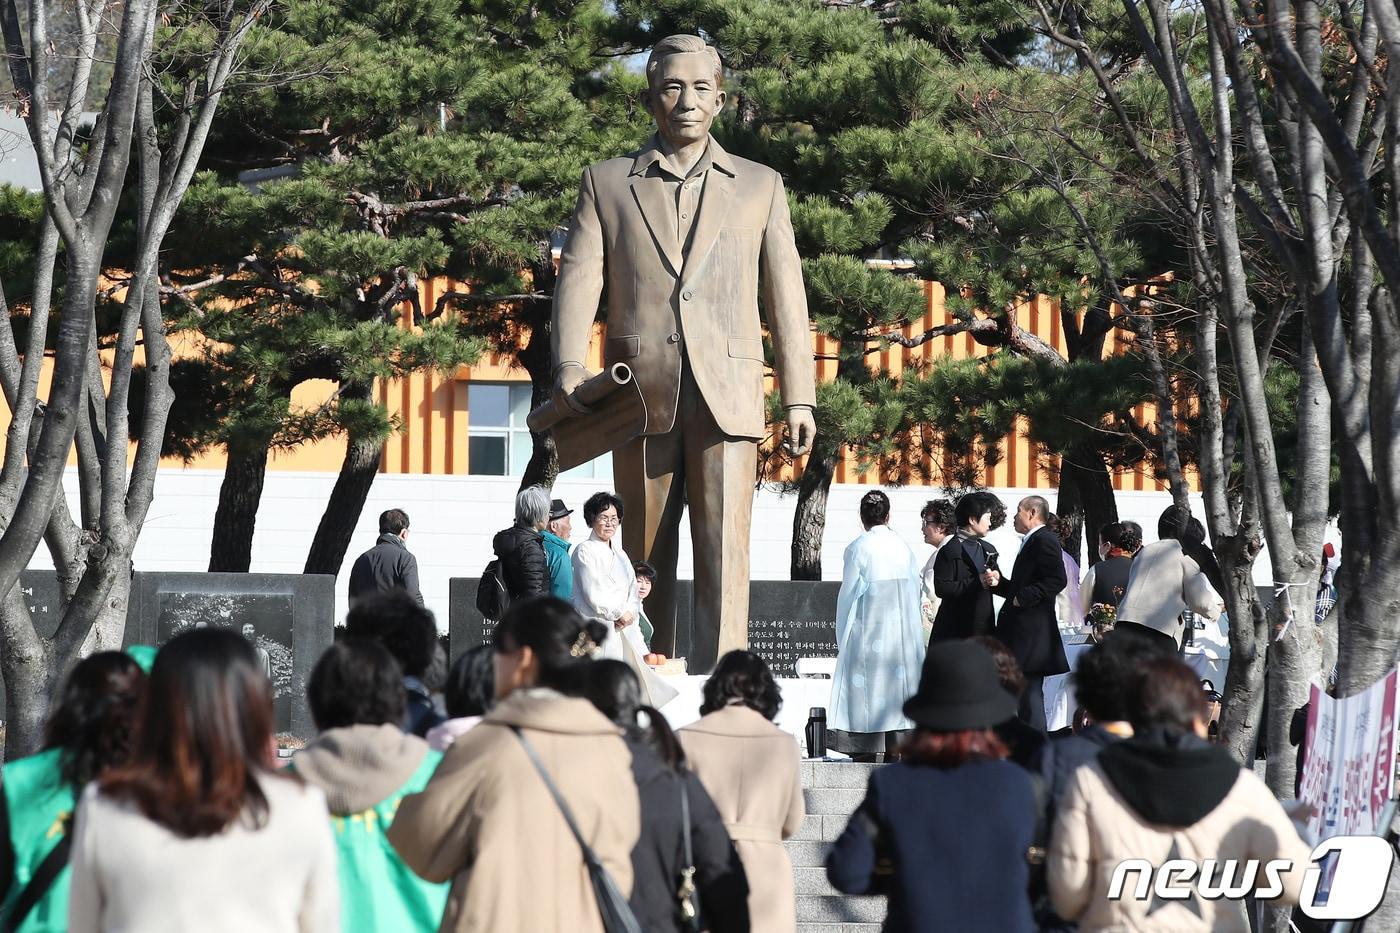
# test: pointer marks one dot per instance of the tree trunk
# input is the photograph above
(24, 665)
(102, 597)
(537, 359)
(362, 458)
(1242, 693)
(231, 551)
(809, 521)
(1087, 487)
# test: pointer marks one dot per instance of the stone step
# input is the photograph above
(834, 801)
(831, 791)
(841, 909)
(839, 773)
(821, 827)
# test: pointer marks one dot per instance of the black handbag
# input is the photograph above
(612, 906)
(687, 897)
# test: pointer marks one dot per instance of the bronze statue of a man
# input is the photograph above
(680, 234)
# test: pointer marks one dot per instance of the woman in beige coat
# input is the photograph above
(486, 820)
(1165, 794)
(751, 769)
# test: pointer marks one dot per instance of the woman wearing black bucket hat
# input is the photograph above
(945, 831)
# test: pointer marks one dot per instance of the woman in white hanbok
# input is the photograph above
(879, 636)
(605, 588)
(939, 525)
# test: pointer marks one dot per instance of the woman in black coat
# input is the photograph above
(658, 766)
(945, 830)
(520, 548)
(965, 602)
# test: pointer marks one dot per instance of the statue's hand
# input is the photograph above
(565, 381)
(801, 430)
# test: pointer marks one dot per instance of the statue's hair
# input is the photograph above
(680, 45)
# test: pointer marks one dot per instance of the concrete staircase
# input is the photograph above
(833, 790)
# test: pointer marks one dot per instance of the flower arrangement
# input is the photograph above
(1101, 618)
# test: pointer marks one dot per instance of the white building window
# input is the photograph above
(498, 439)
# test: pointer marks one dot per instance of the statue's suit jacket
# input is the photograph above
(703, 303)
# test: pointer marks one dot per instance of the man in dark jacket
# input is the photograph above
(1027, 621)
(388, 565)
(524, 570)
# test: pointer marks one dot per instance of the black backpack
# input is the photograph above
(492, 597)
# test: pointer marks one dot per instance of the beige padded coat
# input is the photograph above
(1095, 830)
(486, 820)
(751, 769)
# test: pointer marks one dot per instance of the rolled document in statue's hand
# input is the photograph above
(588, 393)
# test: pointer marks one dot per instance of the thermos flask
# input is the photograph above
(816, 732)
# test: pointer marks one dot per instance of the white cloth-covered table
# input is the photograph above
(800, 694)
(1208, 657)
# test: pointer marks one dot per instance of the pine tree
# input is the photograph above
(441, 138)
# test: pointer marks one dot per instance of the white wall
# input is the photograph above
(454, 518)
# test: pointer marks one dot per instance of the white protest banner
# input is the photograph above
(1349, 768)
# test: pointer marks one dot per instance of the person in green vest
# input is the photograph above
(365, 764)
(88, 731)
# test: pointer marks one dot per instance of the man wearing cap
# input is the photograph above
(556, 550)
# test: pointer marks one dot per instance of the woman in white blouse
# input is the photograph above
(605, 588)
(199, 831)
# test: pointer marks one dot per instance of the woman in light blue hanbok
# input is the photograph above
(879, 643)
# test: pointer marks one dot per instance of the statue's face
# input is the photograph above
(684, 97)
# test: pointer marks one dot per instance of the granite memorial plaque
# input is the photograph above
(41, 594)
(466, 628)
(288, 618)
(791, 619)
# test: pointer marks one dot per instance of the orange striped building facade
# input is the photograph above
(434, 411)
(435, 435)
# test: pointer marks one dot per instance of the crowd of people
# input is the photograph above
(890, 610)
(159, 804)
(536, 786)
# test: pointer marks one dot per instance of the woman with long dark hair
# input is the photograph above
(88, 732)
(945, 830)
(487, 820)
(659, 767)
(752, 771)
(197, 831)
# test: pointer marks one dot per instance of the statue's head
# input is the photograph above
(684, 81)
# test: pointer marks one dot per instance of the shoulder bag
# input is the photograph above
(687, 897)
(616, 912)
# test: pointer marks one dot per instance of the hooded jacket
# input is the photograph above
(522, 561)
(487, 822)
(365, 771)
(1158, 796)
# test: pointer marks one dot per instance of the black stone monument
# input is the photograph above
(290, 619)
(787, 620)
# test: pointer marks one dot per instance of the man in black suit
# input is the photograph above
(1027, 621)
